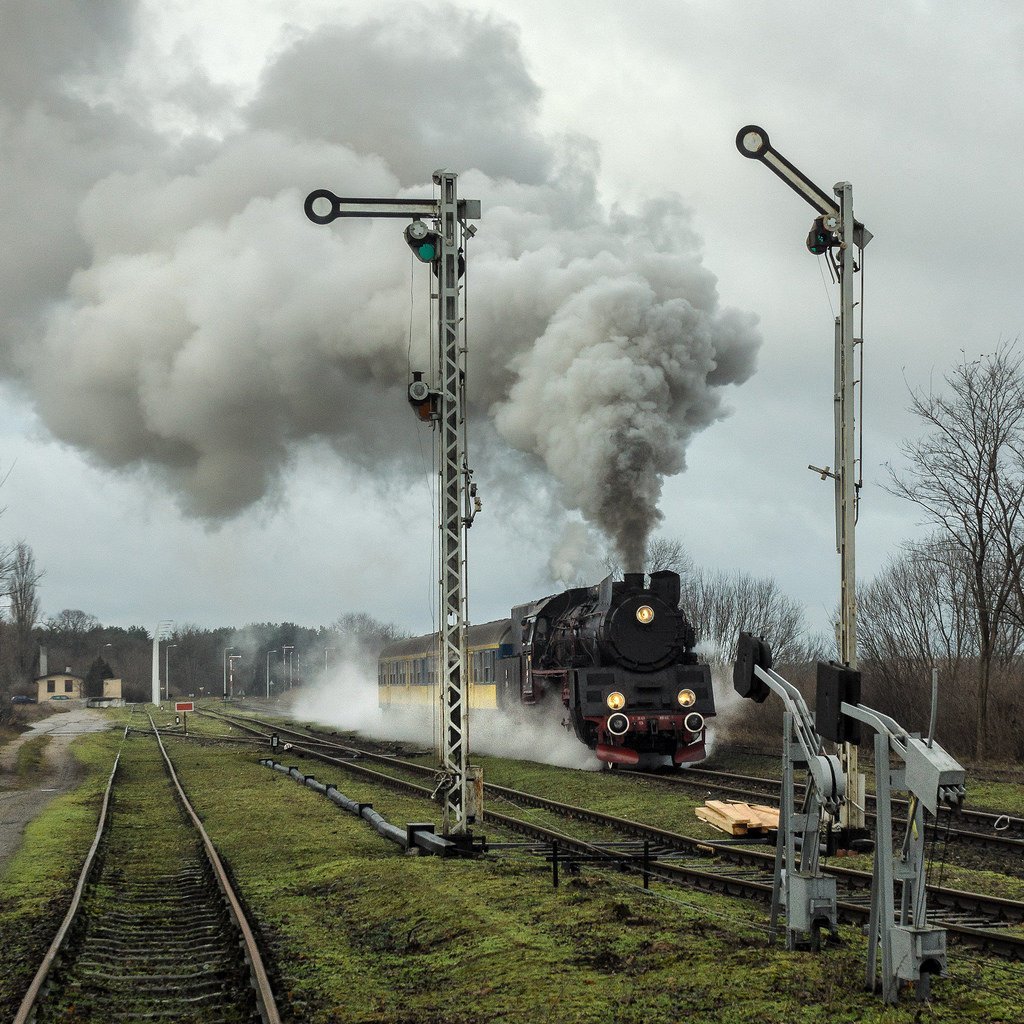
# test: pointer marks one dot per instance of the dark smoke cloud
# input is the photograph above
(173, 310)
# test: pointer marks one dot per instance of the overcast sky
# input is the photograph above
(203, 415)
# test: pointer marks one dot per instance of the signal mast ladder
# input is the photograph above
(910, 949)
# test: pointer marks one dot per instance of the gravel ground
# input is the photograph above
(20, 802)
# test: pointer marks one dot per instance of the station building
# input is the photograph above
(65, 685)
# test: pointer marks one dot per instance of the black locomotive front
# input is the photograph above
(620, 655)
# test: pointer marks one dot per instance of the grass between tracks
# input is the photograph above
(357, 932)
(360, 933)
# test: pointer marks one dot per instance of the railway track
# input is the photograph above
(1001, 831)
(974, 918)
(155, 931)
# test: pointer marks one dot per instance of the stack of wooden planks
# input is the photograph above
(738, 819)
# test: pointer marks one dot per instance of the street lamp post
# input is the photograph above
(167, 670)
(326, 649)
(226, 649)
(269, 653)
(232, 658)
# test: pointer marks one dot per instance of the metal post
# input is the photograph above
(156, 666)
(285, 654)
(445, 407)
(159, 633)
(167, 671)
(452, 549)
(269, 653)
(851, 816)
(226, 649)
(753, 142)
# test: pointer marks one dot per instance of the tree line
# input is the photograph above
(193, 660)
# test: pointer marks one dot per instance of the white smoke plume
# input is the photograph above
(346, 697)
(169, 308)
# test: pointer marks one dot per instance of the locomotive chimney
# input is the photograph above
(665, 584)
(633, 580)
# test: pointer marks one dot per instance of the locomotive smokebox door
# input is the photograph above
(751, 652)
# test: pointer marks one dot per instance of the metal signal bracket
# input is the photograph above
(844, 233)
(445, 407)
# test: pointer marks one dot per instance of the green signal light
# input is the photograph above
(427, 252)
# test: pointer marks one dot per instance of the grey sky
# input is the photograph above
(211, 130)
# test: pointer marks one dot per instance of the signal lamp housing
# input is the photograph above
(424, 242)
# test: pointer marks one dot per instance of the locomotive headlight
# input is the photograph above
(616, 701)
(687, 698)
(645, 614)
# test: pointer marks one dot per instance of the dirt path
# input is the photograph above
(20, 802)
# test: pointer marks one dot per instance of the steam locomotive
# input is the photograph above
(615, 660)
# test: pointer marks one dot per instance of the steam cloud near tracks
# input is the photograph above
(169, 308)
(346, 697)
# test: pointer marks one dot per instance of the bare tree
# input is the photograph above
(22, 580)
(967, 474)
(667, 553)
(661, 553)
(720, 604)
(913, 617)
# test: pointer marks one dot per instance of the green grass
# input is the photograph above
(36, 887)
(359, 932)
(31, 757)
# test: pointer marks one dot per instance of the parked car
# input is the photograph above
(21, 698)
(60, 696)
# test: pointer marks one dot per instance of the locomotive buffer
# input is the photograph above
(436, 234)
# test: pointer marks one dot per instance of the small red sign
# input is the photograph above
(185, 705)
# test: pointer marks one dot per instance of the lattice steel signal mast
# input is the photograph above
(834, 228)
(436, 235)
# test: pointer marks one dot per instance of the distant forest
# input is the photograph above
(195, 660)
